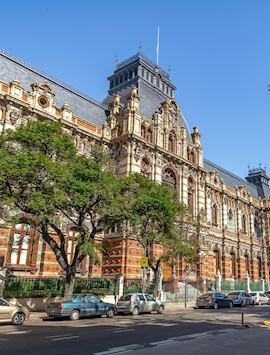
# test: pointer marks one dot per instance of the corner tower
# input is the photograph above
(260, 179)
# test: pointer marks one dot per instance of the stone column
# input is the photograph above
(218, 281)
(248, 282)
(119, 286)
(263, 285)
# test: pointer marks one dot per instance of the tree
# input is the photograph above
(43, 178)
(156, 217)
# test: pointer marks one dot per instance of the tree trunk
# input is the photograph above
(69, 285)
(158, 281)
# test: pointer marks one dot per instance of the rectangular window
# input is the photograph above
(22, 245)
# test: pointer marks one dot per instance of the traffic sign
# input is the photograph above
(144, 261)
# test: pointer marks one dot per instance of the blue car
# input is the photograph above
(81, 306)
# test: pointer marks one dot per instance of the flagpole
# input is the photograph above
(157, 49)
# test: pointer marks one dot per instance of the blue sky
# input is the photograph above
(218, 51)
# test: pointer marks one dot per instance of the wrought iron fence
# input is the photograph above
(51, 287)
(134, 286)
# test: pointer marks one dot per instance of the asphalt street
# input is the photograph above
(177, 331)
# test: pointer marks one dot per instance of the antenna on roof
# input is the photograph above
(248, 167)
(140, 46)
(115, 60)
(157, 49)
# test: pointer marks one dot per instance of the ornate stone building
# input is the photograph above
(141, 126)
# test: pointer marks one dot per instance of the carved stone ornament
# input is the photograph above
(124, 150)
(202, 181)
(137, 152)
(14, 116)
(145, 167)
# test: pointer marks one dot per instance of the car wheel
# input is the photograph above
(110, 313)
(230, 305)
(160, 309)
(242, 304)
(74, 315)
(215, 305)
(135, 311)
(18, 318)
(253, 303)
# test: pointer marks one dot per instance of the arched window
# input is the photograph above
(145, 167)
(169, 178)
(230, 215)
(215, 215)
(172, 142)
(233, 264)
(244, 224)
(149, 135)
(71, 242)
(143, 131)
(191, 195)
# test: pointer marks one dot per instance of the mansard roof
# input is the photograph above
(230, 179)
(82, 105)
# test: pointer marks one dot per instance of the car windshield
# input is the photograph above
(75, 298)
(205, 295)
(253, 294)
(125, 298)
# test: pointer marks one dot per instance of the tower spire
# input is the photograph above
(157, 49)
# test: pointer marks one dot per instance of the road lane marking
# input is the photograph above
(66, 338)
(163, 342)
(124, 330)
(57, 336)
(3, 339)
(119, 349)
(17, 332)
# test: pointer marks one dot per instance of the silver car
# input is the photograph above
(259, 298)
(240, 298)
(136, 303)
(13, 314)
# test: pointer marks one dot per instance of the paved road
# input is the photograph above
(139, 335)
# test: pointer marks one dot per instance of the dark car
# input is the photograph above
(81, 306)
(136, 303)
(213, 300)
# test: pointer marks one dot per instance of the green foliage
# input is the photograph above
(43, 178)
(156, 216)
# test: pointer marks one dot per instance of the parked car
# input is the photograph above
(259, 298)
(240, 298)
(81, 306)
(213, 300)
(267, 293)
(12, 314)
(136, 303)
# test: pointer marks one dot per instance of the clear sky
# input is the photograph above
(218, 51)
